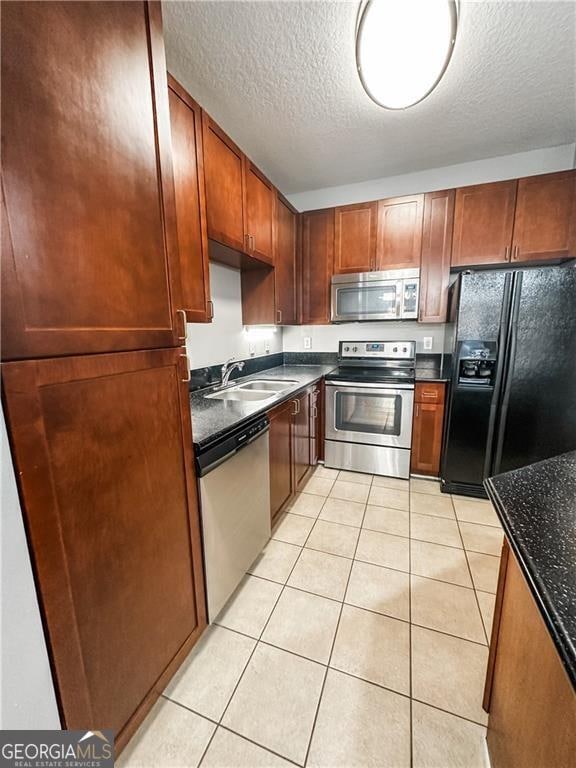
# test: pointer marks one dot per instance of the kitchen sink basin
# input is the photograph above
(250, 391)
(238, 394)
(266, 384)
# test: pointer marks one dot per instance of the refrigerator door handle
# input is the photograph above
(500, 366)
(510, 355)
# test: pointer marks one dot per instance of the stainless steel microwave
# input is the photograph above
(390, 295)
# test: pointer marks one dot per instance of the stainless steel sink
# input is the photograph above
(240, 394)
(257, 389)
(278, 385)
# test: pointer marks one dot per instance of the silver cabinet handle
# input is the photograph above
(188, 375)
(506, 253)
(297, 405)
(279, 316)
(183, 313)
(515, 252)
(247, 242)
(417, 410)
(210, 304)
(315, 411)
(253, 243)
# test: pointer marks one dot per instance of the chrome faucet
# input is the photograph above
(227, 369)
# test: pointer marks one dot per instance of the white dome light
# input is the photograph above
(403, 48)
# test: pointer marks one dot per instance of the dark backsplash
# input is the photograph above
(204, 377)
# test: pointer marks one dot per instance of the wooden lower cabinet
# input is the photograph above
(294, 437)
(427, 428)
(530, 700)
(103, 450)
(302, 438)
(281, 473)
(317, 423)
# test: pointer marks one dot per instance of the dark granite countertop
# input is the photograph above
(431, 374)
(433, 368)
(537, 507)
(211, 418)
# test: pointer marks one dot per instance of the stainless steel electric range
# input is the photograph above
(369, 403)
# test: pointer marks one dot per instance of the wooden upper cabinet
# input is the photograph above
(89, 248)
(186, 124)
(399, 235)
(483, 223)
(355, 237)
(317, 264)
(285, 244)
(259, 200)
(436, 252)
(224, 178)
(103, 449)
(545, 222)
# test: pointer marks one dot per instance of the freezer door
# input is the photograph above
(480, 300)
(538, 404)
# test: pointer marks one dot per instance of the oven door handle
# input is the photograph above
(369, 385)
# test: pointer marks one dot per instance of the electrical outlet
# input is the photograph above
(428, 343)
(267, 346)
(252, 348)
(307, 342)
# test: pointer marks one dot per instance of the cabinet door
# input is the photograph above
(223, 172)
(483, 222)
(317, 263)
(399, 239)
(258, 213)
(545, 222)
(355, 237)
(436, 252)
(102, 445)
(89, 251)
(285, 240)
(281, 475)
(315, 423)
(301, 435)
(427, 428)
(186, 124)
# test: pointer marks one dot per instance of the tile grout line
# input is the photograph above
(250, 657)
(335, 636)
(471, 576)
(410, 617)
(341, 672)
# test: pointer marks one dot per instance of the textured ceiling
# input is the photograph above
(280, 78)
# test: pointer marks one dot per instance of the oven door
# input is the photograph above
(375, 300)
(371, 414)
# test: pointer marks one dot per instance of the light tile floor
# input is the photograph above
(359, 638)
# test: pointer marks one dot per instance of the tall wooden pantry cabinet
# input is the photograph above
(94, 372)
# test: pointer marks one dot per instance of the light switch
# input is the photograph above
(428, 343)
(307, 342)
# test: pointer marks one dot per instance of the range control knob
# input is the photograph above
(346, 349)
(394, 349)
(404, 349)
(354, 349)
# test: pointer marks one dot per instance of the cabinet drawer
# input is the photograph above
(432, 392)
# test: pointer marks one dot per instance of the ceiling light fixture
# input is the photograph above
(403, 48)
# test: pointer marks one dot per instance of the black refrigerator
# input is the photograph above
(512, 338)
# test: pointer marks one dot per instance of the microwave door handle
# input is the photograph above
(399, 298)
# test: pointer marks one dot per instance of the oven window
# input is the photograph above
(380, 300)
(368, 412)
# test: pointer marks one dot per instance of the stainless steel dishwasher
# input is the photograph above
(234, 479)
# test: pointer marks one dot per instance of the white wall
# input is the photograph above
(28, 700)
(325, 338)
(476, 172)
(212, 343)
